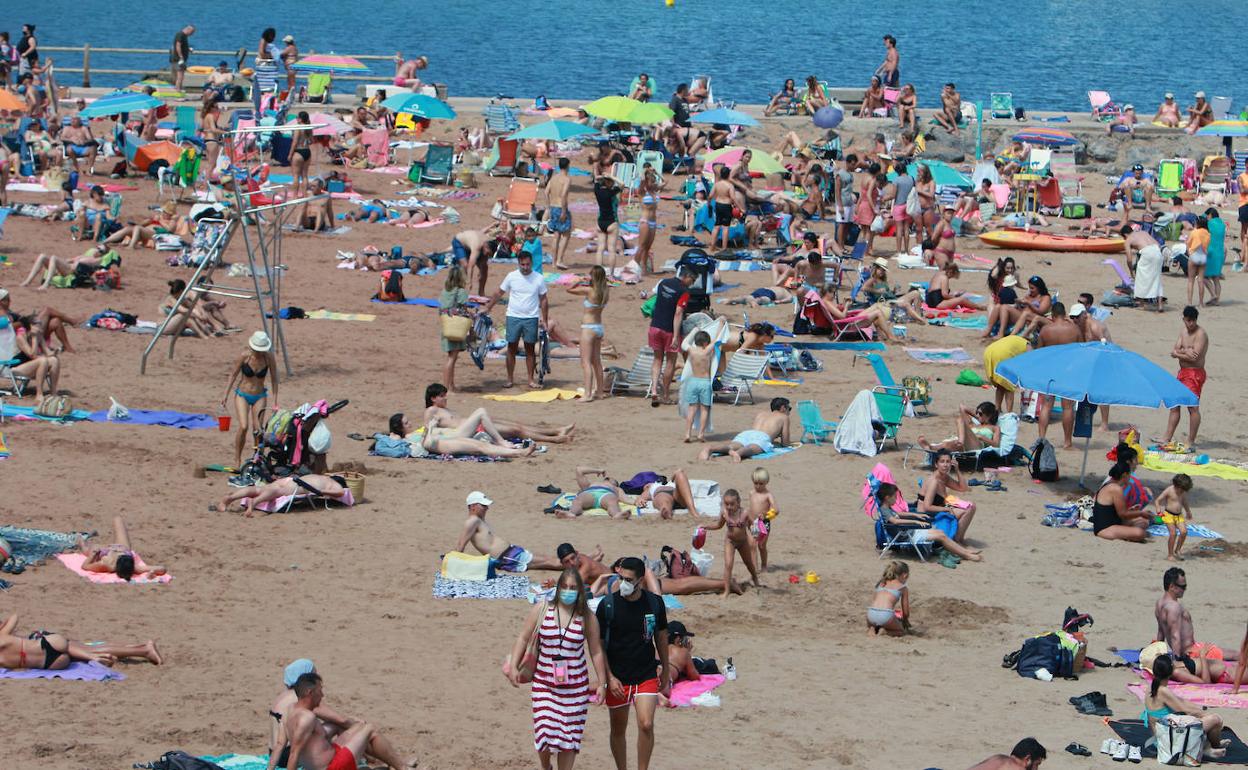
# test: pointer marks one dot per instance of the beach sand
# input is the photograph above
(351, 589)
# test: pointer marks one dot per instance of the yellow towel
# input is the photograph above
(538, 396)
(329, 315)
(465, 566)
(783, 383)
(1219, 470)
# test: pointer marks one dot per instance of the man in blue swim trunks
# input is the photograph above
(506, 556)
(79, 143)
(759, 439)
(558, 215)
(1137, 192)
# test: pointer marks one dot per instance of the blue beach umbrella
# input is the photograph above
(830, 116)
(725, 116)
(1099, 372)
(420, 105)
(118, 102)
(553, 130)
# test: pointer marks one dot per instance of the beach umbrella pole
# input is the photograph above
(1083, 469)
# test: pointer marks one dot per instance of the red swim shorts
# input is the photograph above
(662, 341)
(1194, 379)
(631, 691)
(1215, 652)
(343, 759)
(900, 214)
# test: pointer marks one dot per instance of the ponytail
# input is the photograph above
(1163, 667)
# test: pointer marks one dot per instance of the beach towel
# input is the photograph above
(1136, 733)
(76, 671)
(939, 355)
(1217, 470)
(167, 418)
(538, 396)
(855, 433)
(457, 565)
(28, 413)
(1193, 530)
(340, 230)
(329, 315)
(1129, 656)
(74, 561)
(4, 448)
(978, 322)
(34, 546)
(238, 761)
(776, 452)
(564, 502)
(502, 587)
(1212, 695)
(685, 691)
(423, 302)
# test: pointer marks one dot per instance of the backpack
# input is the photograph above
(391, 287)
(679, 564)
(1043, 461)
(277, 427)
(180, 760)
(1046, 652)
(607, 605)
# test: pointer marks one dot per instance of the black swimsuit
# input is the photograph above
(247, 371)
(1104, 515)
(50, 653)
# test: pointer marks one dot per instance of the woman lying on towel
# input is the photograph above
(54, 652)
(683, 586)
(118, 559)
(459, 441)
(332, 487)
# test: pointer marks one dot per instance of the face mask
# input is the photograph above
(568, 596)
(627, 587)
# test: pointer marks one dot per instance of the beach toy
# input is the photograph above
(6, 550)
(771, 514)
(223, 423)
(699, 537)
(794, 579)
(812, 577)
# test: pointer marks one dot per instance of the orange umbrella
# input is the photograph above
(154, 151)
(11, 103)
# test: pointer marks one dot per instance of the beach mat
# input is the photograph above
(537, 396)
(1136, 733)
(855, 346)
(1129, 656)
(939, 355)
(501, 587)
(977, 323)
(685, 691)
(329, 315)
(238, 761)
(76, 671)
(1211, 695)
(1193, 530)
(74, 561)
(423, 302)
(166, 418)
(776, 452)
(34, 546)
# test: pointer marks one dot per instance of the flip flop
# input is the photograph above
(1079, 750)
(357, 436)
(550, 489)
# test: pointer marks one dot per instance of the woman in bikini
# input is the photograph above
(167, 221)
(878, 316)
(1161, 702)
(331, 487)
(210, 129)
(816, 97)
(925, 222)
(605, 494)
(1006, 317)
(877, 289)
(54, 652)
(666, 497)
(596, 294)
(782, 100)
(943, 238)
(907, 109)
(940, 295)
(946, 476)
(977, 429)
(648, 227)
(94, 211)
(300, 155)
(737, 540)
(118, 559)
(250, 395)
(890, 609)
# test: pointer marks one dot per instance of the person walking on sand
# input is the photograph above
(559, 213)
(1171, 505)
(1190, 350)
(738, 539)
(250, 396)
(527, 309)
(453, 302)
(670, 296)
(633, 624)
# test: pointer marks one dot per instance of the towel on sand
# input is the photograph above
(411, 301)
(167, 418)
(538, 396)
(28, 413)
(827, 345)
(684, 692)
(329, 315)
(239, 761)
(1136, 733)
(340, 230)
(501, 587)
(564, 502)
(1215, 695)
(76, 671)
(1217, 470)
(283, 504)
(939, 355)
(776, 452)
(74, 561)
(33, 546)
(1193, 530)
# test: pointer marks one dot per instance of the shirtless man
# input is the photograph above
(1202, 662)
(1028, 754)
(330, 722)
(334, 487)
(1190, 351)
(889, 71)
(1137, 192)
(507, 557)
(603, 494)
(1168, 112)
(310, 748)
(437, 398)
(470, 245)
(558, 214)
(54, 652)
(406, 72)
(950, 109)
(79, 143)
(1091, 330)
(666, 497)
(768, 426)
(590, 567)
(1060, 330)
(722, 197)
(118, 559)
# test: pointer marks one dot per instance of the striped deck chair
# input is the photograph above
(377, 140)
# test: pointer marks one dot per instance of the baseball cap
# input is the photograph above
(564, 550)
(1138, 167)
(676, 628)
(288, 39)
(296, 670)
(1076, 310)
(1200, 94)
(1129, 107)
(1169, 95)
(478, 498)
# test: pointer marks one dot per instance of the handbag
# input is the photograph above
(914, 206)
(455, 328)
(53, 406)
(1180, 740)
(528, 661)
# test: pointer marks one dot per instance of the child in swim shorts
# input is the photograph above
(1171, 505)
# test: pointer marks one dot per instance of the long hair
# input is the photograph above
(396, 424)
(598, 285)
(581, 607)
(896, 570)
(455, 279)
(925, 173)
(1163, 667)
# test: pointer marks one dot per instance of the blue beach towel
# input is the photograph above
(776, 452)
(167, 418)
(423, 302)
(11, 410)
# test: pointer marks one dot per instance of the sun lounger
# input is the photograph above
(500, 119)
(744, 368)
(892, 405)
(638, 377)
(1001, 105)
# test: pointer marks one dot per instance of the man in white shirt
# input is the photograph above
(526, 306)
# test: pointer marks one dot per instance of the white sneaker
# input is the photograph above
(1109, 745)
(1120, 752)
(1133, 754)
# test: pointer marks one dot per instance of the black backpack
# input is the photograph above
(607, 605)
(1046, 652)
(1043, 461)
(179, 760)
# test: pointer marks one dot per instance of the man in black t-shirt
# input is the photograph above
(633, 624)
(670, 295)
(179, 52)
(690, 139)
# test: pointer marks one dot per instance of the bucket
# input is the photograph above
(223, 423)
(702, 560)
(355, 483)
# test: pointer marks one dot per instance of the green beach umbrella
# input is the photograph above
(943, 175)
(553, 130)
(647, 113)
(760, 161)
(420, 105)
(613, 108)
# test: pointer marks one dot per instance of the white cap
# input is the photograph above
(4, 294)
(478, 498)
(288, 39)
(1076, 310)
(1200, 94)
(1169, 95)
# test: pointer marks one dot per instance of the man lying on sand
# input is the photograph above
(54, 652)
(767, 427)
(437, 399)
(507, 556)
(330, 722)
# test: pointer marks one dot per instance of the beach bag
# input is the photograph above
(918, 389)
(1046, 652)
(391, 287)
(384, 446)
(914, 206)
(179, 760)
(877, 224)
(455, 328)
(1180, 740)
(107, 279)
(1043, 461)
(53, 406)
(679, 564)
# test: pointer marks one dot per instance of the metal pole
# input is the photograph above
(979, 130)
(86, 66)
(1083, 469)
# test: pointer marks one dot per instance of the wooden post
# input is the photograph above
(86, 66)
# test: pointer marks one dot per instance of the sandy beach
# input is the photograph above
(351, 588)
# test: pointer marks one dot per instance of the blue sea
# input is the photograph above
(1048, 53)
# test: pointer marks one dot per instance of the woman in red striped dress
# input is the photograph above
(560, 672)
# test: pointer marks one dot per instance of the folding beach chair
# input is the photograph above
(502, 161)
(1001, 105)
(186, 129)
(626, 174)
(705, 82)
(1062, 166)
(521, 201)
(1215, 173)
(377, 140)
(892, 405)
(436, 167)
(1170, 177)
(896, 536)
(654, 159)
(16, 383)
(1103, 107)
(637, 377)
(1221, 106)
(917, 393)
(813, 424)
(500, 119)
(744, 368)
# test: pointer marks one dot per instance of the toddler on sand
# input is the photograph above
(763, 509)
(1171, 505)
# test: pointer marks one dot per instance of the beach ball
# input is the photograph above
(830, 116)
(699, 537)
(6, 550)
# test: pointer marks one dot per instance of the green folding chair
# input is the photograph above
(813, 424)
(892, 406)
(1001, 105)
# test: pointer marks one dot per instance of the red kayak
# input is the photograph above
(1034, 240)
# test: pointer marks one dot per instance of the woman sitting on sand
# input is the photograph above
(886, 498)
(55, 652)
(907, 109)
(816, 97)
(890, 609)
(941, 296)
(946, 476)
(166, 221)
(1111, 519)
(782, 100)
(1007, 316)
(1161, 703)
(876, 289)
(977, 429)
(118, 559)
(317, 215)
(94, 211)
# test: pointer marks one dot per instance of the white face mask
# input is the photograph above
(627, 587)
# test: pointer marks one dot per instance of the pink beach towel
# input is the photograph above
(281, 503)
(684, 692)
(73, 562)
(1215, 695)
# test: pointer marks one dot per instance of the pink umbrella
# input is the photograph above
(326, 124)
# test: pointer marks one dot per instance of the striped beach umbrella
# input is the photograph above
(118, 102)
(328, 62)
(1055, 137)
(1224, 128)
(420, 105)
(553, 130)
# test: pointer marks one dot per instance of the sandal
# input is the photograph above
(357, 437)
(550, 489)
(1079, 750)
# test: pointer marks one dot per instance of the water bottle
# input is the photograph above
(730, 671)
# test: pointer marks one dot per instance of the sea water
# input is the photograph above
(1047, 53)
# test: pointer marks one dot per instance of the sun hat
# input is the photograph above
(288, 39)
(296, 670)
(1200, 94)
(1169, 95)
(880, 262)
(1010, 281)
(260, 342)
(1076, 310)
(478, 498)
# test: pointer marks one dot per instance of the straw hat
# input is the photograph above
(260, 342)
(881, 262)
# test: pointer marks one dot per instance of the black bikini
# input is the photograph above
(247, 371)
(50, 653)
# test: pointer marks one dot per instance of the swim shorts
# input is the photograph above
(723, 214)
(458, 251)
(661, 341)
(697, 390)
(899, 213)
(513, 559)
(1243, 214)
(559, 220)
(764, 294)
(632, 692)
(1176, 520)
(80, 150)
(343, 759)
(518, 328)
(755, 438)
(1194, 379)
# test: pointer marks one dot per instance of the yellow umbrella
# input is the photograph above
(10, 103)
(760, 161)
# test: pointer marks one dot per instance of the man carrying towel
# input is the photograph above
(507, 557)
